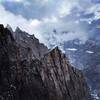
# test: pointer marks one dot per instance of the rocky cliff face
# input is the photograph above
(46, 76)
(29, 44)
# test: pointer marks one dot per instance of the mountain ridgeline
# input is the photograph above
(29, 71)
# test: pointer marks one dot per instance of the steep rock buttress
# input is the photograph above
(46, 76)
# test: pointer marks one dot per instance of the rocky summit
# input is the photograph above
(30, 71)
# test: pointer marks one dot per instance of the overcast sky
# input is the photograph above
(40, 17)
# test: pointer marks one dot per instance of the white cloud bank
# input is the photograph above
(42, 28)
(29, 26)
(32, 26)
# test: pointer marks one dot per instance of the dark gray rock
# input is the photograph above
(29, 44)
(46, 76)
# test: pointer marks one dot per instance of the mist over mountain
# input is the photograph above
(77, 16)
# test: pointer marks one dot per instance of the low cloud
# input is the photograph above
(41, 18)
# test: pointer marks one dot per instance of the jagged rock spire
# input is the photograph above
(9, 28)
(18, 30)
